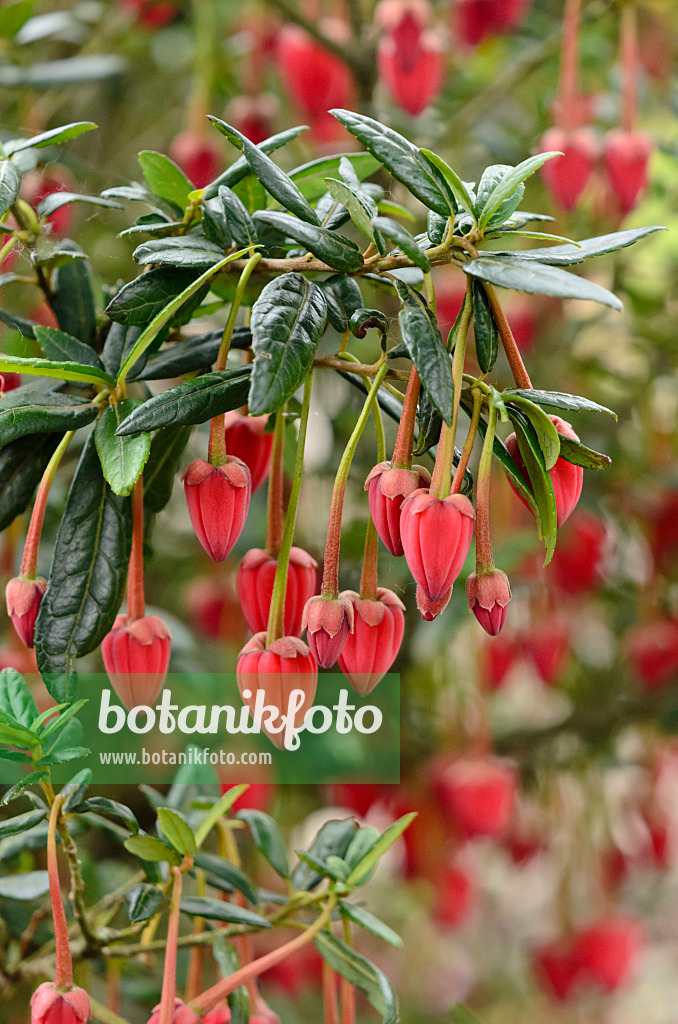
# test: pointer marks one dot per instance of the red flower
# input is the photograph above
(474, 20)
(479, 795)
(183, 1014)
(200, 159)
(314, 78)
(436, 535)
(9, 381)
(372, 647)
(219, 1015)
(606, 951)
(136, 657)
(557, 967)
(548, 645)
(653, 652)
(246, 438)
(410, 58)
(456, 895)
(277, 671)
(429, 609)
(566, 478)
(38, 185)
(388, 487)
(488, 596)
(327, 622)
(566, 176)
(23, 598)
(627, 155)
(577, 559)
(256, 574)
(218, 501)
(50, 1006)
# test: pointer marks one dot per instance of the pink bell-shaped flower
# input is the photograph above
(387, 487)
(23, 598)
(436, 535)
(136, 657)
(218, 500)
(256, 574)
(372, 647)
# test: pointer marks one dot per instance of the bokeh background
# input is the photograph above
(543, 763)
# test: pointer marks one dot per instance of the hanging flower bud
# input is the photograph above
(388, 486)
(479, 794)
(488, 596)
(475, 20)
(49, 1005)
(199, 158)
(183, 1014)
(627, 155)
(428, 609)
(413, 86)
(219, 1015)
(314, 78)
(566, 478)
(436, 535)
(566, 176)
(136, 657)
(246, 438)
(557, 968)
(253, 116)
(456, 894)
(23, 602)
(256, 574)
(286, 665)
(372, 647)
(327, 622)
(606, 951)
(218, 501)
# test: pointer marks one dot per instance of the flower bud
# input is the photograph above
(314, 78)
(607, 950)
(456, 894)
(136, 657)
(183, 1014)
(478, 794)
(278, 670)
(429, 609)
(50, 1006)
(548, 646)
(410, 57)
(246, 438)
(372, 647)
(566, 478)
(488, 596)
(566, 176)
(218, 500)
(652, 650)
(219, 1015)
(23, 598)
(327, 622)
(436, 535)
(256, 574)
(388, 487)
(199, 158)
(557, 968)
(627, 155)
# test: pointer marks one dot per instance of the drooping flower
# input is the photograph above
(277, 670)
(328, 622)
(256, 575)
(372, 647)
(218, 500)
(388, 486)
(23, 598)
(136, 658)
(436, 535)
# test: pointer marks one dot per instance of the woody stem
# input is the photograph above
(275, 518)
(136, 602)
(29, 562)
(402, 450)
(63, 976)
(442, 472)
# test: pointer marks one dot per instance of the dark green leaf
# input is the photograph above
(361, 973)
(16, 700)
(361, 207)
(566, 255)
(430, 423)
(427, 350)
(61, 370)
(238, 220)
(228, 873)
(144, 901)
(29, 885)
(579, 455)
(484, 329)
(241, 169)
(310, 177)
(149, 848)
(10, 183)
(164, 178)
(58, 723)
(28, 410)
(267, 839)
(436, 226)
(18, 789)
(89, 570)
(366, 920)
(54, 136)
(187, 251)
(137, 193)
(119, 341)
(287, 322)
(560, 400)
(363, 841)
(73, 301)
(73, 793)
(382, 845)
(20, 823)
(122, 458)
(57, 345)
(541, 484)
(194, 401)
(343, 298)
(216, 228)
(333, 249)
(363, 320)
(17, 323)
(402, 238)
(489, 179)
(509, 183)
(103, 805)
(51, 203)
(532, 277)
(188, 356)
(167, 448)
(138, 302)
(456, 186)
(401, 158)
(547, 435)
(333, 839)
(217, 910)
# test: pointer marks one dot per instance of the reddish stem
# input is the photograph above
(216, 448)
(63, 975)
(275, 518)
(29, 561)
(368, 578)
(468, 444)
(484, 560)
(515, 360)
(629, 62)
(169, 977)
(330, 583)
(568, 67)
(402, 451)
(136, 603)
(330, 1001)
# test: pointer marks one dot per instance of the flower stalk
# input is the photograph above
(442, 473)
(275, 517)
(29, 562)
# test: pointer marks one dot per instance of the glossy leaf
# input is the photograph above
(560, 400)
(177, 831)
(287, 322)
(151, 849)
(376, 852)
(599, 245)
(51, 203)
(87, 580)
(218, 809)
(58, 345)
(364, 919)
(540, 481)
(547, 435)
(187, 251)
(16, 700)
(509, 183)
(109, 808)
(13, 793)
(484, 329)
(241, 169)
(20, 823)
(10, 183)
(361, 207)
(310, 177)
(401, 237)
(343, 297)
(73, 301)
(22, 463)
(238, 220)
(167, 447)
(427, 350)
(54, 136)
(122, 458)
(194, 401)
(333, 249)
(18, 323)
(361, 973)
(143, 901)
(333, 839)
(538, 278)
(267, 839)
(579, 455)
(139, 301)
(231, 876)
(29, 410)
(62, 370)
(217, 910)
(164, 178)
(456, 186)
(119, 342)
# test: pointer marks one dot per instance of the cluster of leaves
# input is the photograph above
(196, 243)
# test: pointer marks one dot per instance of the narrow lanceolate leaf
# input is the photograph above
(18, 323)
(167, 448)
(10, 183)
(73, 301)
(50, 204)
(287, 322)
(361, 973)
(364, 919)
(87, 579)
(509, 183)
(402, 238)
(109, 808)
(540, 480)
(224, 875)
(22, 463)
(237, 217)
(454, 183)
(177, 831)
(241, 169)
(402, 159)
(547, 435)
(332, 840)
(538, 278)
(59, 345)
(217, 910)
(310, 177)
(384, 843)
(560, 400)
(274, 180)
(579, 455)
(425, 345)
(122, 458)
(54, 136)
(361, 207)
(152, 849)
(567, 255)
(29, 410)
(187, 251)
(195, 401)
(62, 370)
(268, 839)
(490, 178)
(140, 300)
(335, 250)
(164, 178)
(17, 790)
(484, 329)
(20, 823)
